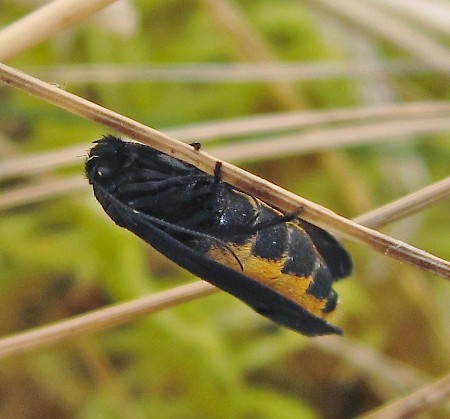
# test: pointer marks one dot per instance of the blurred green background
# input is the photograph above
(214, 357)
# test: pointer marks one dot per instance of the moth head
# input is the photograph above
(106, 160)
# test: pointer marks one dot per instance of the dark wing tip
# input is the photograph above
(337, 259)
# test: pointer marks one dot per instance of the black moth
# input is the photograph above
(281, 266)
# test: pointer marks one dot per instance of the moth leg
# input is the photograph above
(158, 185)
(129, 218)
(197, 218)
(218, 172)
(275, 220)
(173, 196)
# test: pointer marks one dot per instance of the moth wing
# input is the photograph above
(262, 299)
(335, 256)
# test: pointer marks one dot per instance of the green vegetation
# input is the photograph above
(214, 357)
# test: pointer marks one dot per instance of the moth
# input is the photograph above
(280, 265)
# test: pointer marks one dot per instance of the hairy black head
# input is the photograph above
(109, 162)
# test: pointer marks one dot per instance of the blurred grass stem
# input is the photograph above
(243, 180)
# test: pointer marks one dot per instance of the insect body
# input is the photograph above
(280, 265)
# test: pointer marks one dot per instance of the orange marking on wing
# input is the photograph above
(268, 272)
